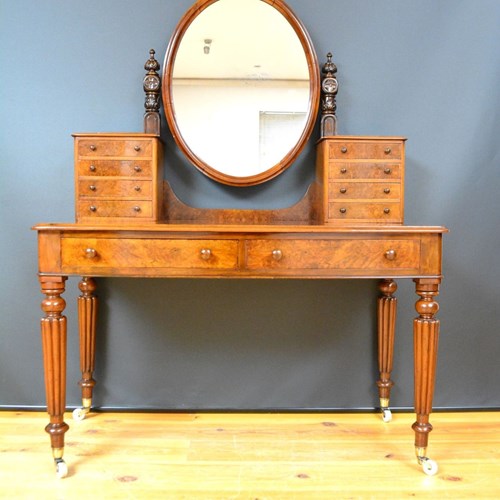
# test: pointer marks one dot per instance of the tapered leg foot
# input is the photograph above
(426, 335)
(387, 305)
(53, 330)
(87, 316)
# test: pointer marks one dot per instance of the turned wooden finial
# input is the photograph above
(152, 88)
(329, 89)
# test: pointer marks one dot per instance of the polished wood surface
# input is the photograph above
(118, 178)
(240, 251)
(248, 456)
(362, 180)
(129, 223)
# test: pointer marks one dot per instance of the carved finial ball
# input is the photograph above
(152, 64)
(329, 66)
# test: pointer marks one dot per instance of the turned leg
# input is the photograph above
(386, 328)
(87, 313)
(426, 333)
(53, 329)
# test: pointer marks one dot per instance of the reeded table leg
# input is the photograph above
(386, 327)
(87, 314)
(426, 333)
(53, 329)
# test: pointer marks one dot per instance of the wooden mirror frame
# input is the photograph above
(314, 96)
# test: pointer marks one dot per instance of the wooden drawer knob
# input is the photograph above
(387, 151)
(91, 253)
(387, 210)
(387, 190)
(92, 187)
(93, 147)
(342, 210)
(137, 208)
(343, 150)
(137, 188)
(390, 254)
(92, 168)
(137, 148)
(343, 170)
(343, 190)
(93, 208)
(205, 253)
(388, 171)
(137, 168)
(277, 254)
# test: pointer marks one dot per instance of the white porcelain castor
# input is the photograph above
(61, 468)
(430, 467)
(79, 414)
(386, 415)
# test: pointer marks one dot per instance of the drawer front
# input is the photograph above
(115, 168)
(333, 254)
(365, 150)
(340, 191)
(364, 170)
(120, 254)
(114, 147)
(94, 188)
(388, 211)
(115, 208)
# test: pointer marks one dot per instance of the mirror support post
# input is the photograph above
(329, 89)
(152, 87)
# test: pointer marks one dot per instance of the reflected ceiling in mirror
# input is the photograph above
(241, 88)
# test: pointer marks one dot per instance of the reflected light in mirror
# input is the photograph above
(240, 87)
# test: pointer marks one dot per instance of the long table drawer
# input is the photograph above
(333, 254)
(127, 253)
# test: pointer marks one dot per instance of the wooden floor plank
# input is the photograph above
(250, 456)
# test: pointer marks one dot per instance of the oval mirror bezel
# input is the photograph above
(314, 93)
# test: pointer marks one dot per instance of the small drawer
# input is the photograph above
(340, 191)
(95, 188)
(114, 208)
(126, 254)
(390, 212)
(333, 254)
(102, 147)
(365, 150)
(364, 170)
(115, 168)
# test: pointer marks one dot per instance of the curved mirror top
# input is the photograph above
(240, 88)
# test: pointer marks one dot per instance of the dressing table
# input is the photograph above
(129, 222)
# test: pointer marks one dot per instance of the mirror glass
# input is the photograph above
(239, 81)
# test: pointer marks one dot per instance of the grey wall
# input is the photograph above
(425, 69)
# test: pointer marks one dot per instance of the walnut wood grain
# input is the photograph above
(305, 211)
(426, 336)
(53, 330)
(87, 319)
(386, 316)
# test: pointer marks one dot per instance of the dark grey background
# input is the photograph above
(428, 70)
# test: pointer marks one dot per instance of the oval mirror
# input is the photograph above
(240, 88)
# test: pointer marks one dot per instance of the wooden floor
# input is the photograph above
(250, 456)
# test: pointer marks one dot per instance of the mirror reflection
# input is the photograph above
(240, 87)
